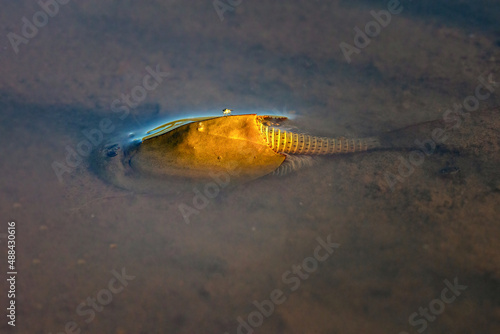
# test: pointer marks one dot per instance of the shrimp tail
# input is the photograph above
(282, 141)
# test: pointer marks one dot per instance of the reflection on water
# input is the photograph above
(380, 242)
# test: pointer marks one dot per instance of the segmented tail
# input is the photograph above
(298, 143)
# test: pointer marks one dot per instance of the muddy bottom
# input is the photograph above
(400, 240)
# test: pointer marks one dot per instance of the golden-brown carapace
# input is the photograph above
(245, 146)
(240, 147)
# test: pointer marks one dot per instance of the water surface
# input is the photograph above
(398, 242)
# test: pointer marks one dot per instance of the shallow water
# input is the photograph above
(400, 232)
